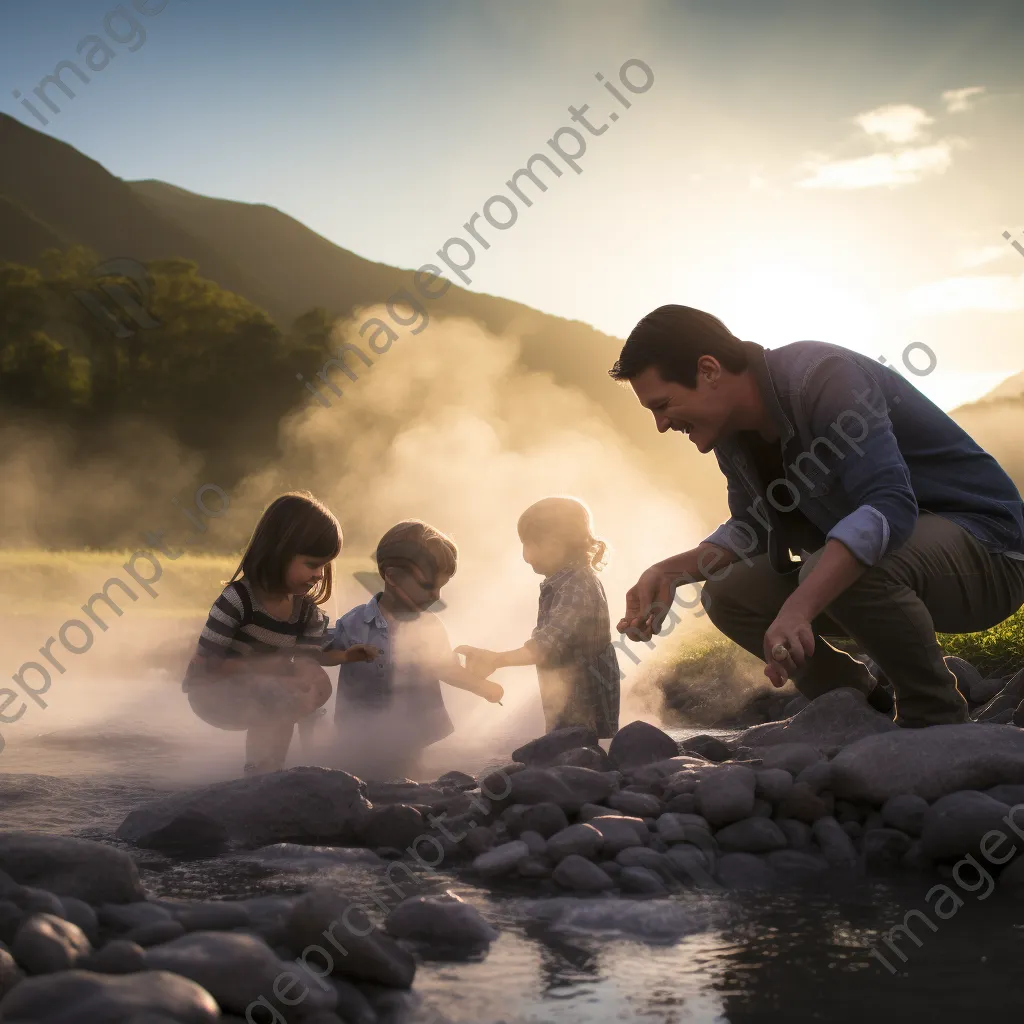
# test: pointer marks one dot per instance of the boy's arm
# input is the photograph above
(357, 652)
(452, 673)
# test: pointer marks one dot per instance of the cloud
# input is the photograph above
(994, 293)
(904, 167)
(897, 123)
(959, 100)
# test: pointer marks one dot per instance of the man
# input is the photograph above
(902, 523)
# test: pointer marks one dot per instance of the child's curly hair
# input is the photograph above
(568, 520)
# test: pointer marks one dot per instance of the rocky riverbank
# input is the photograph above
(833, 794)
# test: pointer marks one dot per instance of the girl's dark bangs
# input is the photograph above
(321, 542)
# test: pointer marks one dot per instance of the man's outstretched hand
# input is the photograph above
(647, 604)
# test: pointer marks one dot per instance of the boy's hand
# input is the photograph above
(479, 661)
(491, 691)
(362, 652)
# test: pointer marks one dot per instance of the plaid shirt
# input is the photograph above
(577, 668)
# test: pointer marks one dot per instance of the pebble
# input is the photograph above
(692, 866)
(80, 913)
(546, 818)
(9, 973)
(641, 805)
(119, 956)
(502, 860)
(641, 857)
(789, 757)
(905, 812)
(836, 846)
(131, 915)
(817, 776)
(543, 750)
(726, 794)
(440, 922)
(155, 933)
(772, 784)
(804, 805)
(584, 840)
(535, 842)
(884, 849)
(640, 743)
(642, 881)
(955, 824)
(620, 833)
(797, 833)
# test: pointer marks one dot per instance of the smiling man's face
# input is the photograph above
(701, 412)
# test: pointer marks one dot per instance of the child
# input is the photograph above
(257, 664)
(571, 646)
(390, 708)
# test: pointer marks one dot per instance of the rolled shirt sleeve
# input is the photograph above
(846, 406)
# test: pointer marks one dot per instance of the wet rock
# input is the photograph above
(684, 803)
(789, 757)
(804, 805)
(584, 757)
(188, 834)
(772, 784)
(744, 871)
(692, 865)
(836, 846)
(448, 922)
(984, 690)
(89, 871)
(502, 860)
(796, 867)
(640, 743)
(752, 835)
(848, 812)
(619, 833)
(79, 912)
(797, 833)
(955, 824)
(300, 803)
(642, 857)
(582, 840)
(726, 794)
(534, 867)
(884, 849)
(586, 785)
(541, 752)
(762, 809)
(124, 917)
(535, 843)
(11, 917)
(853, 829)
(709, 747)
(836, 718)
(1007, 794)
(639, 805)
(541, 786)
(394, 825)
(323, 916)
(215, 916)
(73, 996)
(611, 868)
(46, 944)
(817, 776)
(905, 812)
(581, 875)
(9, 973)
(119, 956)
(795, 706)
(915, 858)
(495, 785)
(38, 901)
(929, 762)
(547, 819)
(589, 811)
(1005, 700)
(672, 826)
(642, 881)
(456, 780)
(479, 840)
(235, 969)
(1011, 879)
(155, 934)
(655, 777)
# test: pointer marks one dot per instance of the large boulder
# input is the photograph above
(834, 719)
(298, 804)
(639, 743)
(956, 824)
(544, 750)
(1005, 700)
(189, 834)
(89, 871)
(929, 762)
(73, 996)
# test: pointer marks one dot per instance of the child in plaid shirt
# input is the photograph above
(571, 646)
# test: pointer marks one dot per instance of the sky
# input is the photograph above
(823, 170)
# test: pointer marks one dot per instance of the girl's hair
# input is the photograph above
(567, 520)
(413, 542)
(293, 524)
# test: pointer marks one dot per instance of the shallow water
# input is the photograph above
(696, 957)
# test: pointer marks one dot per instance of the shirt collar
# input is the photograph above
(560, 574)
(372, 612)
(762, 375)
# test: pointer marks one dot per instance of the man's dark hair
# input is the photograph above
(672, 339)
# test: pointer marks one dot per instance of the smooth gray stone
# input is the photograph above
(692, 866)
(440, 922)
(214, 916)
(836, 846)
(955, 824)
(119, 956)
(502, 860)
(835, 719)
(370, 955)
(92, 872)
(585, 757)
(772, 784)
(752, 835)
(39, 901)
(543, 751)
(796, 867)
(672, 826)
(583, 839)
(155, 933)
(884, 849)
(535, 842)
(80, 997)
(131, 915)
(590, 811)
(789, 757)
(817, 776)
(640, 743)
(585, 785)
(581, 875)
(905, 812)
(640, 805)
(620, 833)
(79, 912)
(546, 818)
(797, 833)
(726, 794)
(642, 881)
(391, 825)
(46, 944)
(9, 973)
(641, 857)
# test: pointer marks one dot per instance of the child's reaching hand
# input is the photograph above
(479, 661)
(362, 652)
(491, 691)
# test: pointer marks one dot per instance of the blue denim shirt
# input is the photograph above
(864, 451)
(400, 690)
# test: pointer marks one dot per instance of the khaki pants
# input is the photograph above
(942, 579)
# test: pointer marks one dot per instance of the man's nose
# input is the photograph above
(663, 423)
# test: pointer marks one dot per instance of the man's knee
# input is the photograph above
(735, 588)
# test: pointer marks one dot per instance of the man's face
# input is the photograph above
(702, 412)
